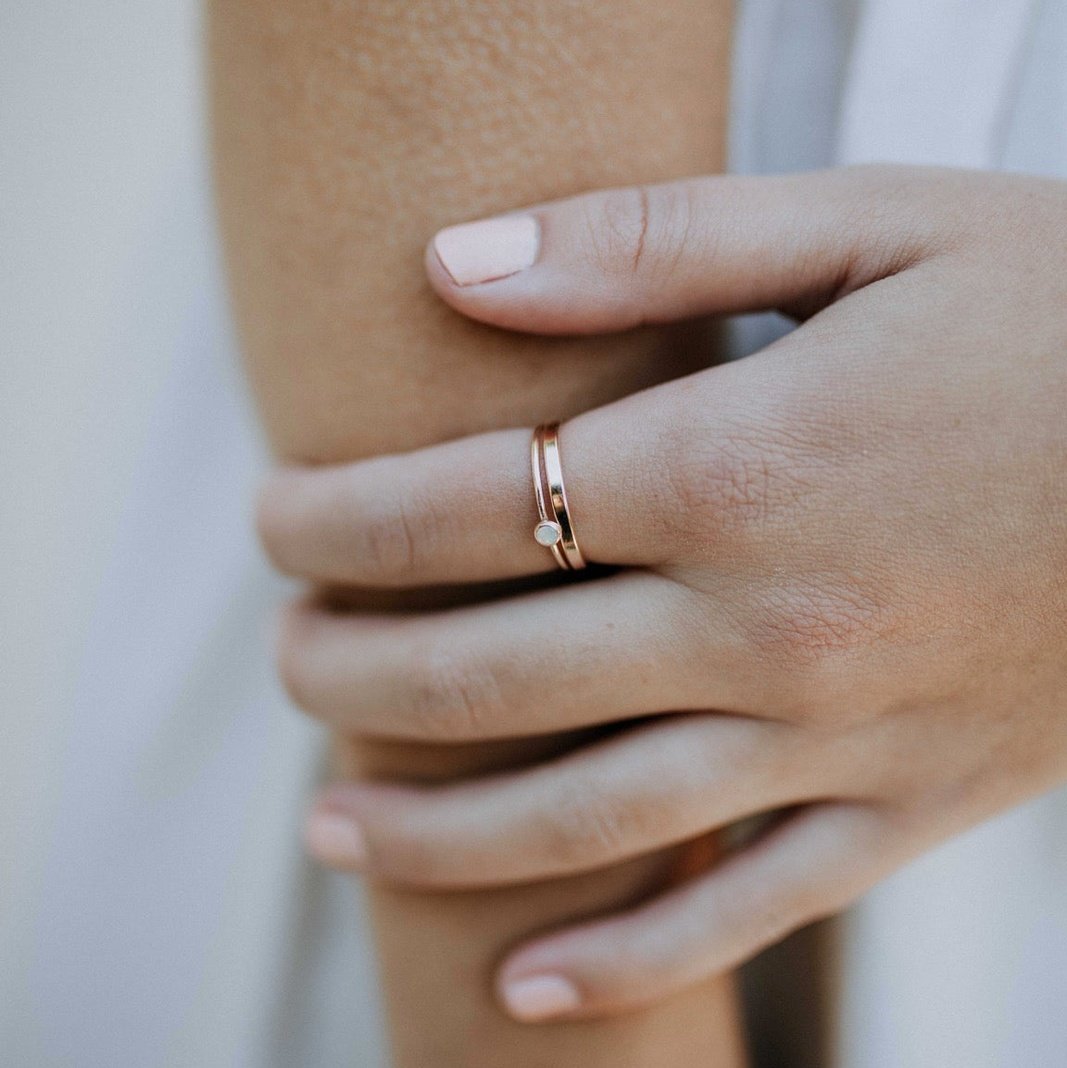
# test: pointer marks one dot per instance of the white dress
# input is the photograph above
(155, 909)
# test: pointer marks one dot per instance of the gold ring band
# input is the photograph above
(554, 529)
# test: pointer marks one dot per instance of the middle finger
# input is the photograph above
(569, 657)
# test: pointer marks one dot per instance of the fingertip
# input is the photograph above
(542, 958)
(488, 250)
(507, 273)
(440, 280)
(539, 998)
(613, 963)
(492, 284)
(463, 299)
(335, 839)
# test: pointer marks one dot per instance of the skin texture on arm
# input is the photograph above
(346, 134)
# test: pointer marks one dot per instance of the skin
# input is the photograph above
(842, 564)
(345, 135)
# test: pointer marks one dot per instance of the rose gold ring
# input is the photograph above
(554, 529)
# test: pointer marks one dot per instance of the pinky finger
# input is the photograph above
(811, 865)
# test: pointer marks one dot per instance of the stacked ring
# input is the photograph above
(554, 529)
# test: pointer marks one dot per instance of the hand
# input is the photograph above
(841, 566)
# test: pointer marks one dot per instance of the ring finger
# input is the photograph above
(465, 511)
(648, 788)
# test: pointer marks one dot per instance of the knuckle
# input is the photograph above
(648, 963)
(671, 216)
(454, 697)
(616, 229)
(585, 825)
(642, 230)
(735, 484)
(397, 538)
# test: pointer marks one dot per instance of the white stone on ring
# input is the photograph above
(547, 533)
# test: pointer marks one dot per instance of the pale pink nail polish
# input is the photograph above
(540, 997)
(488, 250)
(335, 839)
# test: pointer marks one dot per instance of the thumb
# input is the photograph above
(620, 258)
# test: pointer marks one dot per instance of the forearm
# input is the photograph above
(346, 135)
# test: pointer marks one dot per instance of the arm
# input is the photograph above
(346, 134)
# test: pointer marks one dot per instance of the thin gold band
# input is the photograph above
(555, 521)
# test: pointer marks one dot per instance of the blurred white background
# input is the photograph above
(100, 128)
(154, 906)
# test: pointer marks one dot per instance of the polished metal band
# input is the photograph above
(554, 529)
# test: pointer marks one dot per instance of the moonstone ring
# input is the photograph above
(554, 529)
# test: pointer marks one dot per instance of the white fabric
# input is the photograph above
(154, 907)
(961, 959)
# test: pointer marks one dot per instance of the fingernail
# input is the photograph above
(335, 839)
(488, 250)
(540, 997)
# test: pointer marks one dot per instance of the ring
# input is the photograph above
(554, 529)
